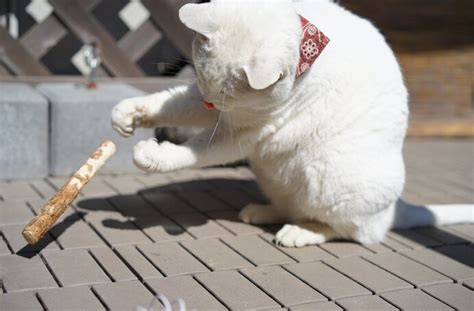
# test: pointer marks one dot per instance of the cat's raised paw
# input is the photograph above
(123, 117)
(298, 236)
(129, 114)
(259, 214)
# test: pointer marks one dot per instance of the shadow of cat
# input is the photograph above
(158, 206)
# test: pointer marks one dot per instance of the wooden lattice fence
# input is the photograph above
(49, 39)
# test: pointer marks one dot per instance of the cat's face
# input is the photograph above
(244, 52)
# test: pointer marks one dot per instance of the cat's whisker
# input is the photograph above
(215, 129)
(167, 64)
(184, 60)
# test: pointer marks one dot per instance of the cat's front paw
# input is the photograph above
(123, 117)
(151, 156)
(129, 114)
(298, 236)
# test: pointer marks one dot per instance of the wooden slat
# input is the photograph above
(17, 58)
(434, 41)
(462, 127)
(135, 44)
(42, 37)
(420, 24)
(416, 14)
(440, 83)
(89, 30)
(165, 14)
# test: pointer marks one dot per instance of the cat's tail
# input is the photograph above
(409, 216)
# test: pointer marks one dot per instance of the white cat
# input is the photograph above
(326, 147)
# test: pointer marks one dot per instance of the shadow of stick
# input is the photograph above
(29, 251)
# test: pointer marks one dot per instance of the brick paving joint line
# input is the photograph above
(209, 291)
(135, 242)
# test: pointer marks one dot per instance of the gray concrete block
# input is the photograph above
(97, 188)
(116, 229)
(75, 234)
(367, 274)
(21, 274)
(199, 226)
(317, 306)
(256, 250)
(171, 259)
(363, 303)
(12, 235)
(167, 203)
(345, 249)
(230, 221)
(161, 230)
(283, 286)
(408, 270)
(43, 188)
(440, 235)
(126, 184)
(24, 128)
(188, 289)
(454, 295)
(235, 291)
(70, 298)
(20, 301)
(4, 250)
(414, 299)
(454, 261)
(327, 281)
(125, 296)
(111, 263)
(469, 284)
(412, 239)
(75, 267)
(17, 190)
(80, 121)
(236, 198)
(203, 201)
(215, 254)
(12, 215)
(140, 265)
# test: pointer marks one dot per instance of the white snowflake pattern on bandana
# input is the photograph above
(313, 42)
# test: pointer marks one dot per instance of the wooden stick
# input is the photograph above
(56, 206)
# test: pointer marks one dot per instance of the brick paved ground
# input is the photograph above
(130, 237)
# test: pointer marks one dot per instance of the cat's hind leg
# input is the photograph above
(299, 235)
(261, 214)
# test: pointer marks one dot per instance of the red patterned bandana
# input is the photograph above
(313, 42)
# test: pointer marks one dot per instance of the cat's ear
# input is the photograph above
(262, 73)
(198, 17)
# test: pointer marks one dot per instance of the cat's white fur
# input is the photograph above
(326, 148)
